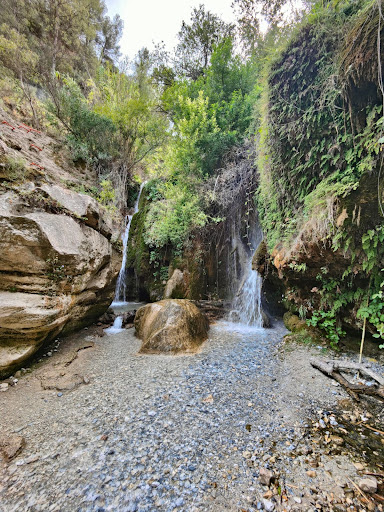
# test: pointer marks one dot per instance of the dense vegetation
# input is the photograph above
(308, 95)
(320, 162)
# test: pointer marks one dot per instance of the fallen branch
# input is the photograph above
(332, 369)
(371, 428)
(358, 490)
(361, 369)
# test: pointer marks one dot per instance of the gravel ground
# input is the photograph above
(163, 433)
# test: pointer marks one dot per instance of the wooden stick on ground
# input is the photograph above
(358, 489)
(332, 370)
(371, 428)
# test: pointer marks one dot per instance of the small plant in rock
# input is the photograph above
(14, 169)
(55, 271)
(298, 267)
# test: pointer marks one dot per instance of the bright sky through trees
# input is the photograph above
(159, 20)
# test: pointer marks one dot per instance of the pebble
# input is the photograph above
(265, 476)
(172, 434)
(268, 505)
(368, 485)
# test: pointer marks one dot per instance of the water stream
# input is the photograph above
(120, 304)
(120, 293)
(246, 307)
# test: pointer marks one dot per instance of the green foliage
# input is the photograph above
(107, 195)
(91, 134)
(130, 103)
(55, 271)
(315, 151)
(171, 219)
(68, 37)
(210, 115)
(197, 41)
(13, 169)
(113, 123)
(298, 267)
(309, 149)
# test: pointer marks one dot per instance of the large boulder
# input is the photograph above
(171, 326)
(56, 272)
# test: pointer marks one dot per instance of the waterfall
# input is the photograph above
(116, 327)
(246, 305)
(120, 292)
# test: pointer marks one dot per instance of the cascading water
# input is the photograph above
(120, 293)
(246, 306)
(116, 327)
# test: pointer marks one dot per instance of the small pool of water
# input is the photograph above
(122, 307)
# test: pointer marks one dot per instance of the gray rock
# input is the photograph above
(368, 485)
(268, 505)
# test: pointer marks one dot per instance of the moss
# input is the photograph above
(293, 323)
(142, 276)
(260, 256)
(320, 159)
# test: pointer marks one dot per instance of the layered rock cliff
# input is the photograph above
(57, 262)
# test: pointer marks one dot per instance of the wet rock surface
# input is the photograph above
(184, 433)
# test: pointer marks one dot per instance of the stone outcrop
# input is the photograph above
(57, 264)
(57, 274)
(176, 285)
(171, 326)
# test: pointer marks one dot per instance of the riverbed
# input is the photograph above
(170, 433)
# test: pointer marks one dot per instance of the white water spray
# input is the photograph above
(120, 293)
(246, 306)
(116, 327)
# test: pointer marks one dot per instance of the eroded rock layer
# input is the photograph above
(57, 264)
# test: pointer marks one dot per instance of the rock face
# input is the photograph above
(171, 326)
(176, 286)
(57, 269)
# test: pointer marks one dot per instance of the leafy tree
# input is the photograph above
(20, 60)
(163, 73)
(89, 133)
(69, 36)
(108, 37)
(197, 41)
(277, 13)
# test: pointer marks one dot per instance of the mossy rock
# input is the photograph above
(300, 329)
(293, 323)
(260, 256)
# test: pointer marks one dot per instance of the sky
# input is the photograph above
(158, 20)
